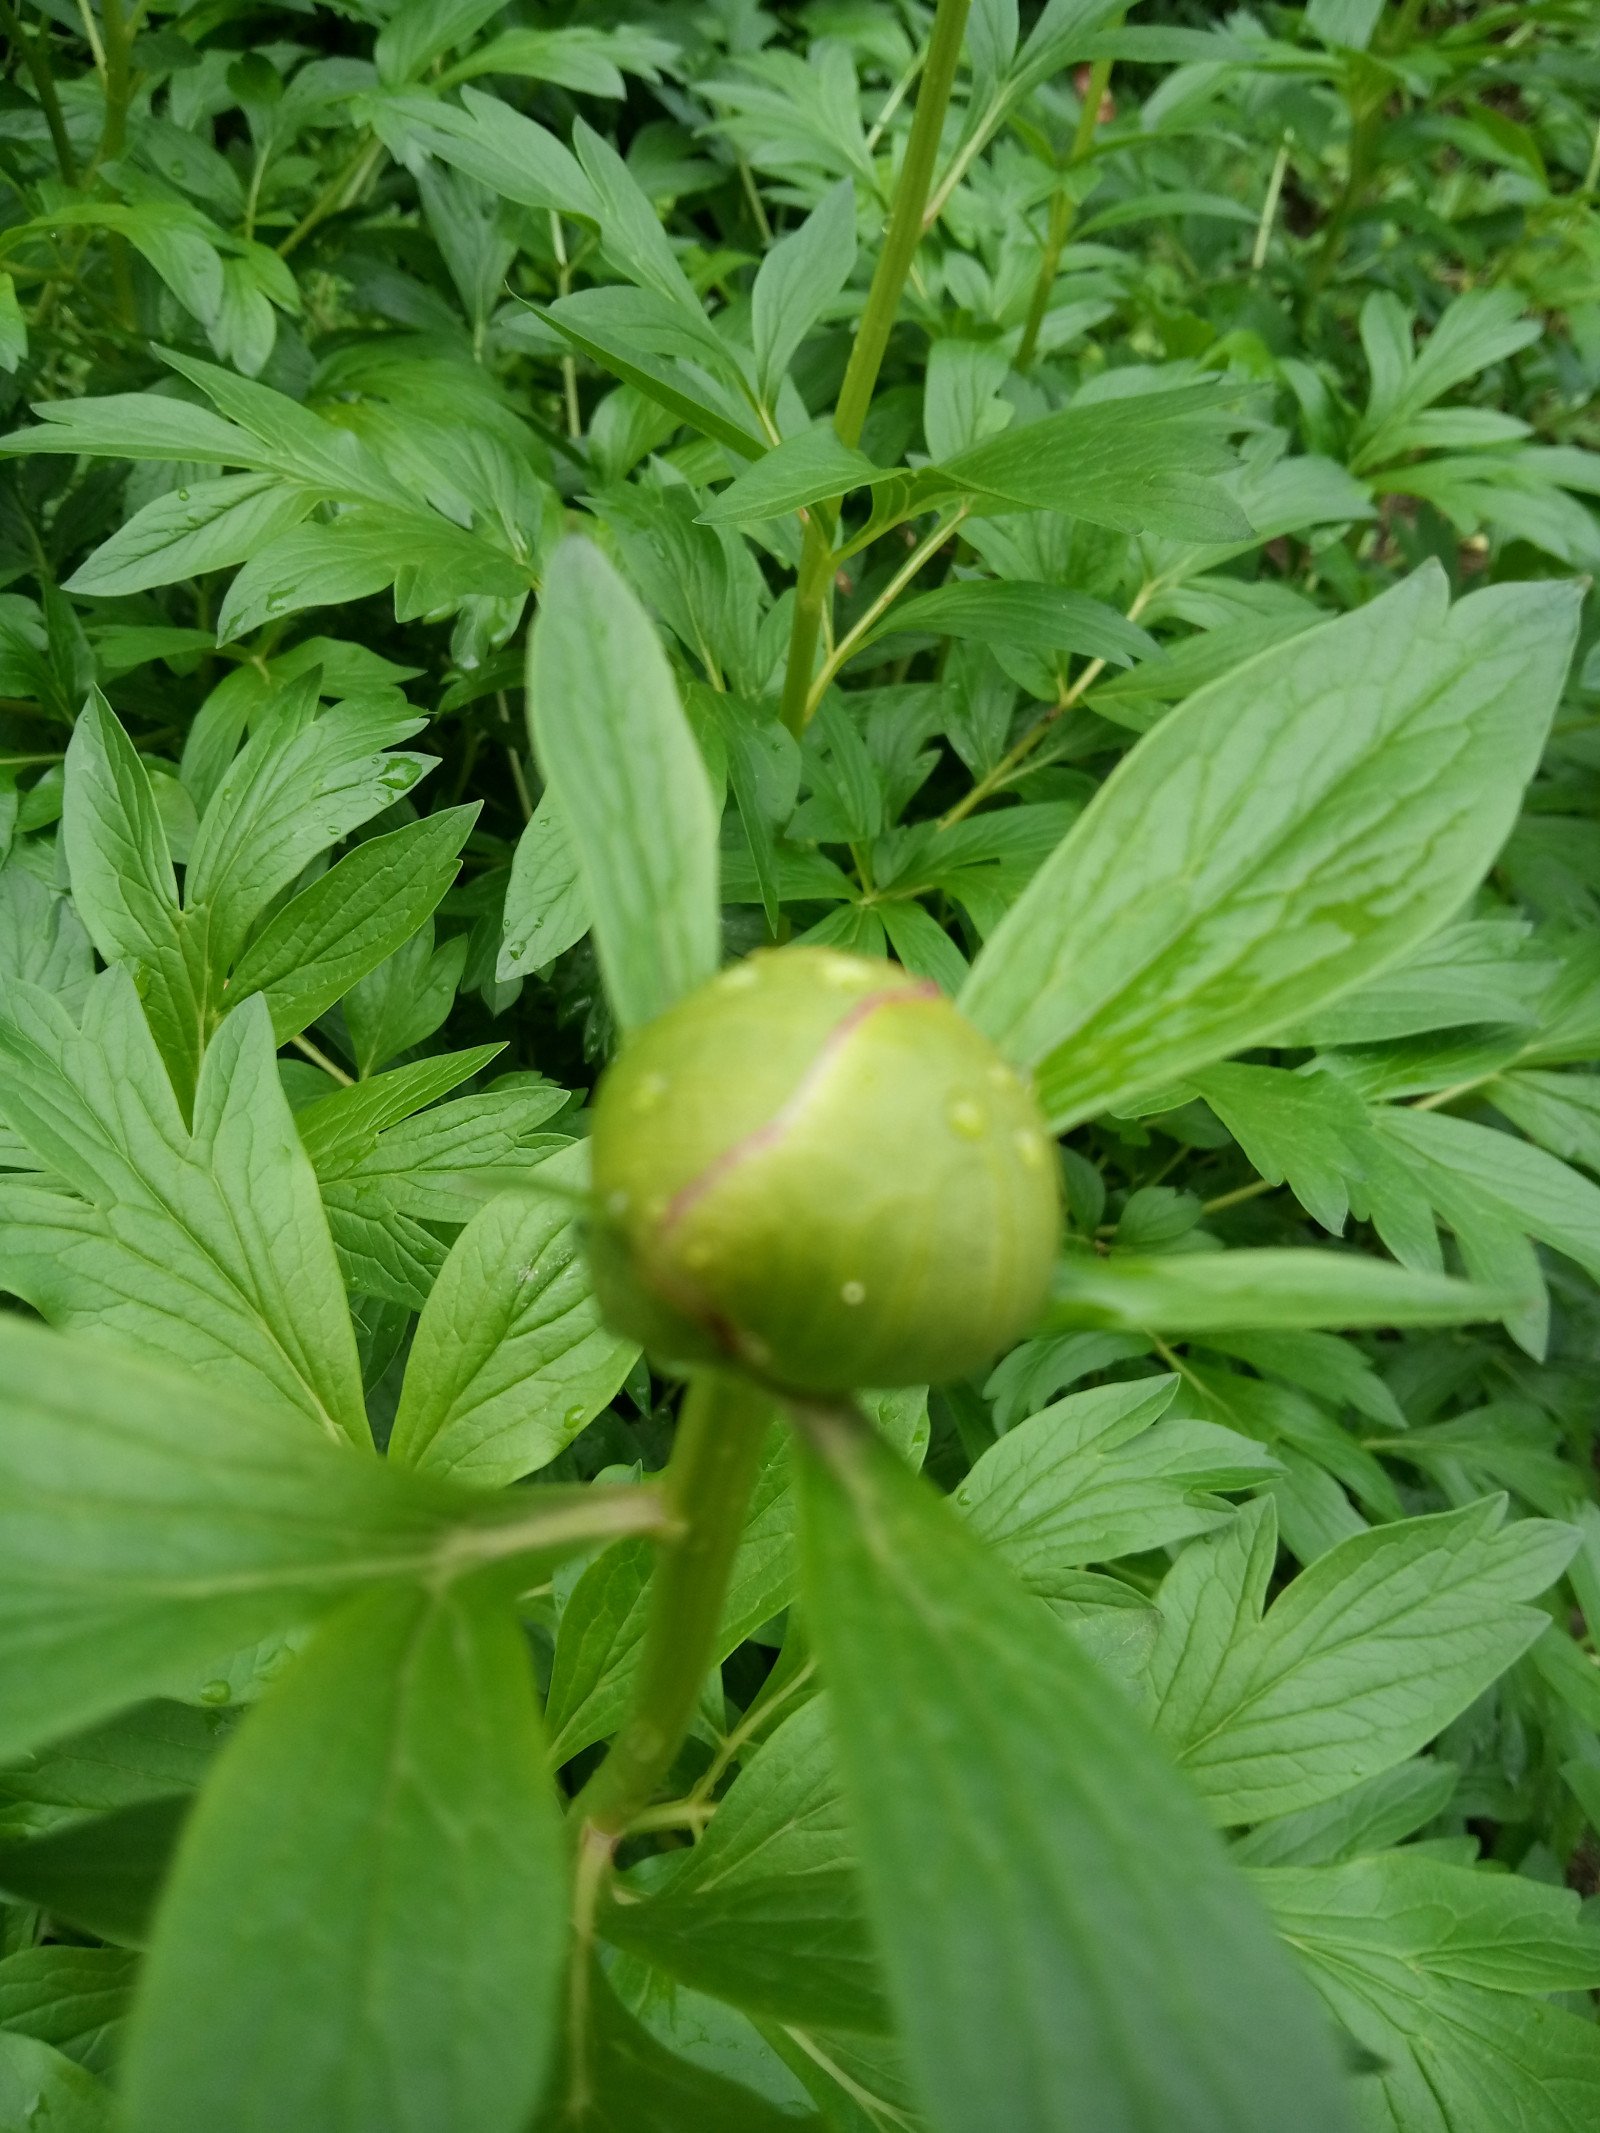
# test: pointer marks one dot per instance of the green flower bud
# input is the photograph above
(817, 1169)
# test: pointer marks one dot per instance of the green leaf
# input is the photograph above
(766, 1910)
(153, 1752)
(367, 1921)
(1389, 1944)
(149, 1528)
(495, 144)
(802, 470)
(797, 281)
(1144, 460)
(594, 330)
(1066, 1945)
(1100, 1475)
(1356, 1665)
(1379, 1812)
(301, 783)
(208, 1247)
(124, 887)
(1535, 1191)
(208, 525)
(319, 943)
(510, 1359)
(545, 912)
(100, 1876)
(1299, 824)
(1215, 1292)
(71, 1998)
(615, 747)
(39, 2088)
(1039, 618)
(635, 2084)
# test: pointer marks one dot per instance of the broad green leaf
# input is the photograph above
(318, 944)
(1479, 971)
(802, 470)
(208, 525)
(366, 1924)
(206, 1246)
(152, 1752)
(1099, 1475)
(301, 783)
(1560, 1111)
(796, 282)
(1371, 1817)
(683, 391)
(125, 890)
(633, 2083)
(1143, 460)
(101, 1875)
(493, 143)
(1313, 1133)
(1065, 1943)
(1383, 1941)
(399, 1005)
(1216, 1292)
(1299, 824)
(148, 1528)
(1534, 1191)
(766, 1910)
(545, 912)
(41, 2088)
(1355, 1666)
(1039, 618)
(510, 1358)
(71, 1998)
(615, 747)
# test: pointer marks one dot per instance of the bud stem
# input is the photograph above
(721, 1428)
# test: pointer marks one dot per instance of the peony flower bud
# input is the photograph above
(816, 1169)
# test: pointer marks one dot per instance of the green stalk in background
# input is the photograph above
(1063, 212)
(872, 339)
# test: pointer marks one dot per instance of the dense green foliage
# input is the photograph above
(1098, 510)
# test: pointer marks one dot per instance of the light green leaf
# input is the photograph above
(510, 1359)
(816, 463)
(493, 143)
(149, 1528)
(1371, 1817)
(315, 948)
(796, 282)
(1534, 1191)
(209, 525)
(1357, 1664)
(41, 2088)
(1217, 1292)
(1449, 2056)
(1039, 618)
(68, 1997)
(1100, 1475)
(207, 1247)
(766, 1911)
(615, 747)
(1102, 1967)
(125, 890)
(1299, 824)
(367, 1921)
(545, 913)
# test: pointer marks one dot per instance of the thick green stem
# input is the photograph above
(1063, 213)
(708, 1482)
(871, 342)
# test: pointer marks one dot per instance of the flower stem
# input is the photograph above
(721, 1429)
(871, 342)
(1063, 212)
